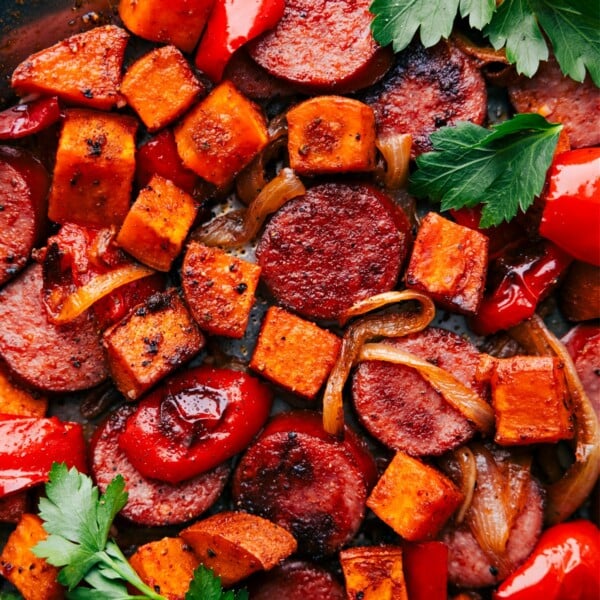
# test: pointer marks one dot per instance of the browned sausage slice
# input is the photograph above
(337, 244)
(152, 503)
(402, 410)
(428, 89)
(54, 358)
(323, 45)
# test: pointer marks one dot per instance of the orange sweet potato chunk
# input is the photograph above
(84, 69)
(16, 400)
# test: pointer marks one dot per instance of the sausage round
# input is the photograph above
(402, 410)
(337, 244)
(53, 358)
(153, 503)
(428, 89)
(323, 46)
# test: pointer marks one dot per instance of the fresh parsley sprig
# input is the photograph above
(503, 168)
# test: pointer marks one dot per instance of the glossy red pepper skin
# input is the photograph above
(526, 277)
(565, 565)
(195, 421)
(571, 217)
(28, 118)
(231, 24)
(425, 566)
(29, 446)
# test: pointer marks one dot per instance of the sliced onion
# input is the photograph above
(396, 155)
(380, 300)
(567, 494)
(240, 226)
(465, 462)
(484, 54)
(458, 395)
(372, 326)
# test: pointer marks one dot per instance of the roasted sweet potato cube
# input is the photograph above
(219, 289)
(178, 22)
(331, 134)
(530, 399)
(414, 499)
(16, 400)
(294, 353)
(32, 576)
(237, 544)
(156, 338)
(221, 135)
(449, 263)
(13, 507)
(374, 573)
(167, 566)
(84, 69)
(160, 87)
(157, 224)
(95, 165)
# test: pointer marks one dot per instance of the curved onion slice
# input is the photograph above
(567, 494)
(458, 395)
(98, 287)
(396, 154)
(484, 54)
(240, 226)
(468, 469)
(372, 326)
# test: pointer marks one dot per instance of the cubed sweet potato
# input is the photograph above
(449, 263)
(84, 69)
(160, 86)
(237, 544)
(167, 566)
(331, 134)
(157, 224)
(95, 165)
(13, 507)
(32, 576)
(530, 399)
(414, 499)
(221, 135)
(374, 573)
(294, 353)
(219, 289)
(152, 341)
(177, 22)
(16, 400)
(580, 292)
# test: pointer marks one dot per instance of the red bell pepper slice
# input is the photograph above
(571, 217)
(231, 24)
(27, 118)
(194, 422)
(565, 565)
(425, 566)
(29, 446)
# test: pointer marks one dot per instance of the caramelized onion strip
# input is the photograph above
(395, 150)
(380, 300)
(468, 479)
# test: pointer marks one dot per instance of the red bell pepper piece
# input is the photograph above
(27, 118)
(565, 565)
(425, 567)
(571, 217)
(29, 446)
(231, 24)
(193, 422)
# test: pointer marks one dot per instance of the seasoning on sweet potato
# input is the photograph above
(221, 135)
(95, 165)
(580, 292)
(374, 573)
(449, 263)
(166, 565)
(16, 400)
(414, 499)
(530, 400)
(160, 87)
(294, 353)
(237, 544)
(84, 69)
(153, 340)
(157, 224)
(331, 134)
(32, 576)
(219, 289)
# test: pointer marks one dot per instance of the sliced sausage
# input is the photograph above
(323, 46)
(404, 411)
(337, 244)
(562, 100)
(151, 502)
(428, 89)
(23, 189)
(53, 358)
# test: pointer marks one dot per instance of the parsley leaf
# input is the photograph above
(503, 169)
(207, 586)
